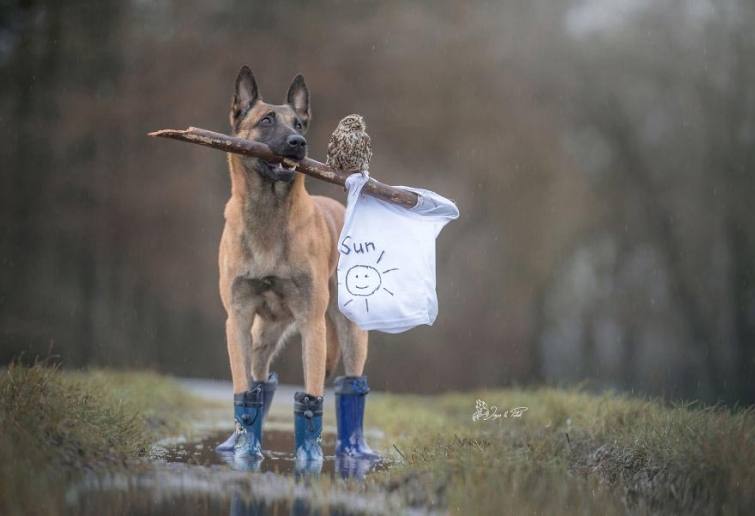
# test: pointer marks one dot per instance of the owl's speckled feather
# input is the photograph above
(350, 148)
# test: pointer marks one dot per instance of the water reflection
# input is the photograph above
(298, 507)
(193, 478)
(356, 468)
(278, 457)
(134, 497)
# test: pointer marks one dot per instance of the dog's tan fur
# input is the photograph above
(278, 255)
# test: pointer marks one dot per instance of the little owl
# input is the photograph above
(350, 149)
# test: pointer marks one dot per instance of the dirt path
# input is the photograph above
(220, 391)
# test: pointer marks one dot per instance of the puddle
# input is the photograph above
(142, 501)
(192, 478)
(278, 448)
(173, 488)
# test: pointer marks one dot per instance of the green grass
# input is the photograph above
(53, 426)
(621, 453)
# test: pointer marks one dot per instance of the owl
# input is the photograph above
(350, 149)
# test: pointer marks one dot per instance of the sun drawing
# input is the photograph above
(364, 281)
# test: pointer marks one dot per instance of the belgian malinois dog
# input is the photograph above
(278, 252)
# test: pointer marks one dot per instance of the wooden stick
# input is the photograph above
(397, 196)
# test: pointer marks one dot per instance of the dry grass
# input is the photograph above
(571, 452)
(55, 425)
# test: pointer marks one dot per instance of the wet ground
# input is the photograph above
(277, 440)
(179, 489)
(276, 459)
(278, 451)
(187, 476)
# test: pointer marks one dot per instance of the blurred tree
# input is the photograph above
(674, 131)
(601, 154)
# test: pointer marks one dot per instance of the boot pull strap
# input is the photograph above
(360, 385)
(309, 414)
(257, 392)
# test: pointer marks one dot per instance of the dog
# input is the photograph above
(278, 253)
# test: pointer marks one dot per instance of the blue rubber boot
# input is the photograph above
(351, 392)
(268, 391)
(308, 427)
(247, 409)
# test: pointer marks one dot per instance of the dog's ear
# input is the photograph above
(245, 96)
(298, 99)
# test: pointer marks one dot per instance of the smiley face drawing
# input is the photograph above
(363, 281)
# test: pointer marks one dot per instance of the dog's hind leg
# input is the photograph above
(332, 343)
(353, 342)
(267, 339)
(350, 340)
(352, 452)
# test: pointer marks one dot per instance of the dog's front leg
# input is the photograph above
(238, 332)
(313, 354)
(308, 406)
(248, 403)
(311, 323)
(241, 307)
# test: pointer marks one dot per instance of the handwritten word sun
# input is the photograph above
(365, 280)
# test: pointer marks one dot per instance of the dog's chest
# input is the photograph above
(264, 249)
(273, 297)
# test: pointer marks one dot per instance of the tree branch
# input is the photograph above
(308, 166)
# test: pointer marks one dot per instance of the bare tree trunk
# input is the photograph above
(613, 123)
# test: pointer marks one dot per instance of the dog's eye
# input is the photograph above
(266, 120)
(298, 126)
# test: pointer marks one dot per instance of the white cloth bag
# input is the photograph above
(386, 267)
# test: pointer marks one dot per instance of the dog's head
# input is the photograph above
(281, 127)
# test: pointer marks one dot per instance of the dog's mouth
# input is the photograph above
(277, 171)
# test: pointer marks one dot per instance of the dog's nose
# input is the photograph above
(297, 144)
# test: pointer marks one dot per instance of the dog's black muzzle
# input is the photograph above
(295, 147)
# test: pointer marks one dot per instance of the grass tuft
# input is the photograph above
(55, 426)
(571, 452)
